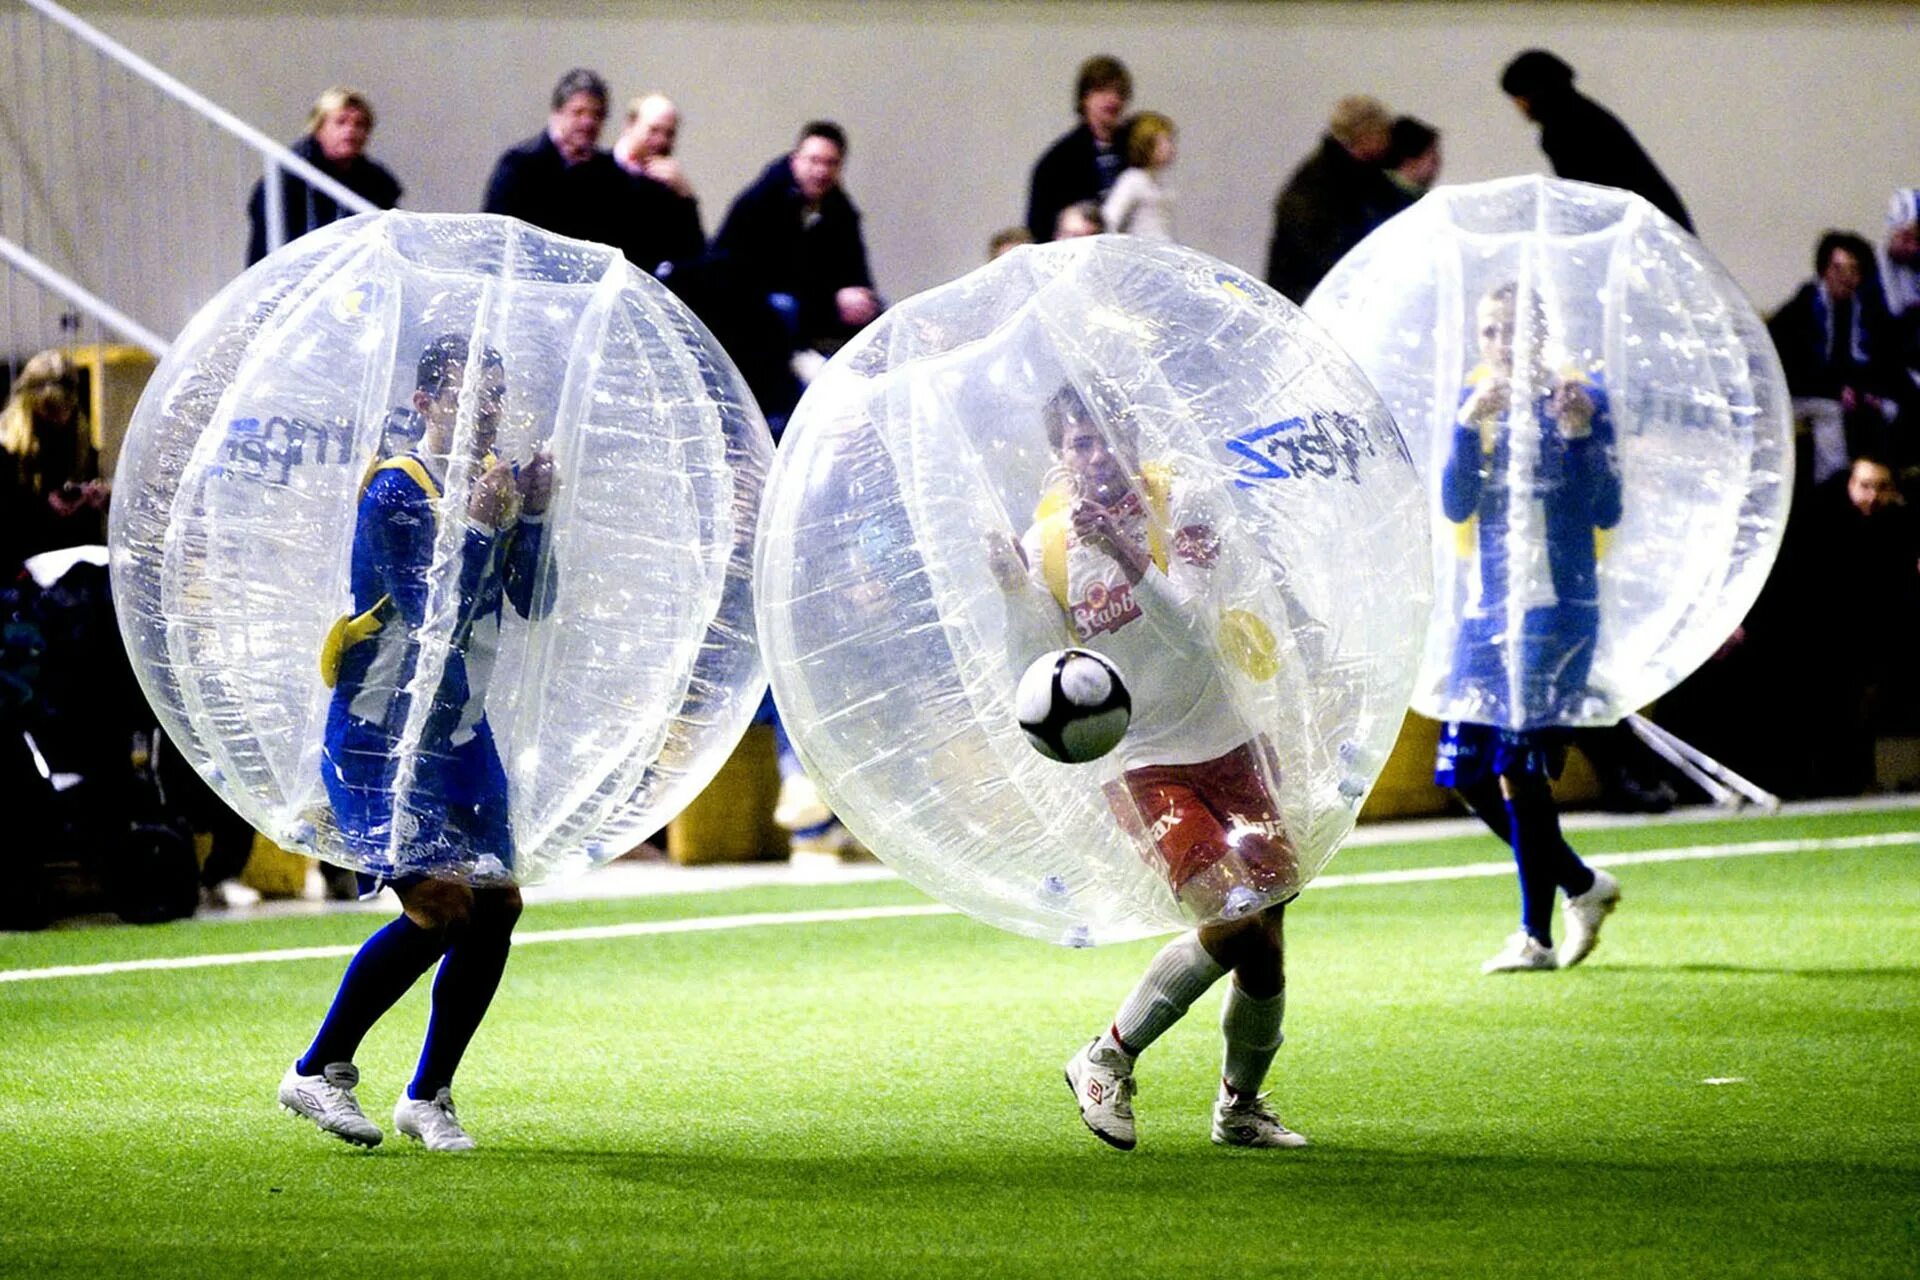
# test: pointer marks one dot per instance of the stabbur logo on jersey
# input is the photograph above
(1105, 609)
(1327, 445)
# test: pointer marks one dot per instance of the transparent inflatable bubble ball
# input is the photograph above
(1073, 705)
(431, 546)
(1605, 433)
(1089, 466)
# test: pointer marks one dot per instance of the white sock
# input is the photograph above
(1252, 1031)
(1173, 981)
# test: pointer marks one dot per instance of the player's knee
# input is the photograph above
(440, 905)
(497, 910)
(1260, 970)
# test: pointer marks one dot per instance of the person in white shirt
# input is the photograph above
(1141, 202)
(1125, 555)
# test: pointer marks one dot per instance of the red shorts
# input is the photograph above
(1215, 821)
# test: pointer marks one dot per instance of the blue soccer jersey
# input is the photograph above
(1578, 490)
(454, 803)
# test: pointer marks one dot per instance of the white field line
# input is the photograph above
(707, 924)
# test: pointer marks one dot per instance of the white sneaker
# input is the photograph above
(1521, 953)
(327, 1100)
(800, 806)
(1102, 1084)
(432, 1122)
(1580, 919)
(1246, 1122)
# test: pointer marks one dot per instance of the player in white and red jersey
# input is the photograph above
(1127, 560)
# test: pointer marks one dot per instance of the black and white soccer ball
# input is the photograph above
(1073, 705)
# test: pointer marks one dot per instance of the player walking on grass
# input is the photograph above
(1502, 772)
(454, 810)
(1112, 551)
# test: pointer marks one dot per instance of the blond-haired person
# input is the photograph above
(1141, 202)
(335, 143)
(51, 493)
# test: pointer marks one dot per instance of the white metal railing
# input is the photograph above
(122, 190)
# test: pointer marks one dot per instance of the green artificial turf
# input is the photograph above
(884, 1097)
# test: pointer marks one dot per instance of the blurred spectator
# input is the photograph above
(1333, 199)
(1084, 162)
(561, 181)
(1006, 239)
(793, 237)
(1829, 332)
(1141, 203)
(645, 150)
(1082, 219)
(1900, 256)
(1845, 606)
(1583, 140)
(1900, 293)
(51, 493)
(1412, 162)
(335, 143)
(1835, 347)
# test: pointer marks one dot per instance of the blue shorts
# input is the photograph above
(1470, 754)
(456, 813)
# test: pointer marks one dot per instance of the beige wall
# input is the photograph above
(1773, 120)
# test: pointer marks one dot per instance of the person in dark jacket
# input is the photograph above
(1831, 333)
(794, 237)
(1083, 163)
(562, 181)
(335, 143)
(1335, 197)
(1412, 162)
(1583, 140)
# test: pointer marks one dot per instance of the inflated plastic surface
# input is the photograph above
(918, 551)
(1605, 432)
(518, 692)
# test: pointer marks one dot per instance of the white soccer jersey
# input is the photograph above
(1159, 633)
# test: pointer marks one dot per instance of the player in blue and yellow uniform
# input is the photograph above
(1502, 758)
(418, 792)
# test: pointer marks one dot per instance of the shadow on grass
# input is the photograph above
(1865, 972)
(1331, 1171)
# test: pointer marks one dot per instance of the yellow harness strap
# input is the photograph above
(346, 632)
(1246, 640)
(1053, 516)
(350, 629)
(412, 467)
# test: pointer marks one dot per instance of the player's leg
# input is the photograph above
(320, 1084)
(1250, 1024)
(1101, 1074)
(1533, 834)
(478, 943)
(1591, 895)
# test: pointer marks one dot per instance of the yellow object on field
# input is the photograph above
(273, 871)
(732, 820)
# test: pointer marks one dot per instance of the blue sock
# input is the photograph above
(461, 993)
(389, 963)
(1538, 851)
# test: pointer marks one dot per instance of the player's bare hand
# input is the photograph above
(1092, 522)
(495, 497)
(1573, 410)
(1488, 403)
(536, 483)
(1005, 560)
